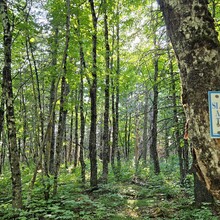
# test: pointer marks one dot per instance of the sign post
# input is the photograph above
(214, 113)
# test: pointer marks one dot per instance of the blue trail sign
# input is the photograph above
(214, 113)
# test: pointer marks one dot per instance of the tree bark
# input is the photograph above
(81, 94)
(93, 97)
(2, 113)
(117, 92)
(137, 143)
(153, 145)
(14, 154)
(76, 151)
(63, 97)
(82, 126)
(70, 150)
(126, 143)
(176, 120)
(145, 129)
(195, 42)
(52, 115)
(106, 144)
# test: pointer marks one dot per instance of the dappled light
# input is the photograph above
(104, 111)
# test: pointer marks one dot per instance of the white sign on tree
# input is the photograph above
(214, 113)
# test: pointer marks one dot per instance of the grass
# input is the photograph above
(148, 197)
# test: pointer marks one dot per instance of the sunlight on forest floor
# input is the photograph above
(148, 197)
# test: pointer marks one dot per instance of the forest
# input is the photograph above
(104, 109)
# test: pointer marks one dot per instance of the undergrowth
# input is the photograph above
(136, 196)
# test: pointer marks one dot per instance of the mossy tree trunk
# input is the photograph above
(195, 42)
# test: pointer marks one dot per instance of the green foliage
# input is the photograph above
(130, 194)
(151, 196)
(204, 213)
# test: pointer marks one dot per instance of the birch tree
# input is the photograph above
(9, 101)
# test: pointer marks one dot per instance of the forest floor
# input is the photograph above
(143, 197)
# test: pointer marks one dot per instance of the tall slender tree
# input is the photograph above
(52, 115)
(93, 98)
(153, 145)
(63, 100)
(106, 144)
(76, 152)
(115, 101)
(14, 154)
(81, 105)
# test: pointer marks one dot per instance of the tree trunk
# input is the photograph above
(113, 149)
(106, 145)
(52, 115)
(35, 119)
(23, 110)
(2, 153)
(2, 112)
(145, 132)
(14, 154)
(76, 152)
(82, 117)
(115, 105)
(51, 136)
(166, 141)
(82, 131)
(186, 157)
(125, 144)
(117, 91)
(63, 96)
(60, 134)
(70, 150)
(137, 142)
(176, 120)
(93, 97)
(153, 145)
(195, 42)
(41, 117)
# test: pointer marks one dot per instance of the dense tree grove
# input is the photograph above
(91, 88)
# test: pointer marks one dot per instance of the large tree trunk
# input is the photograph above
(11, 128)
(195, 42)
